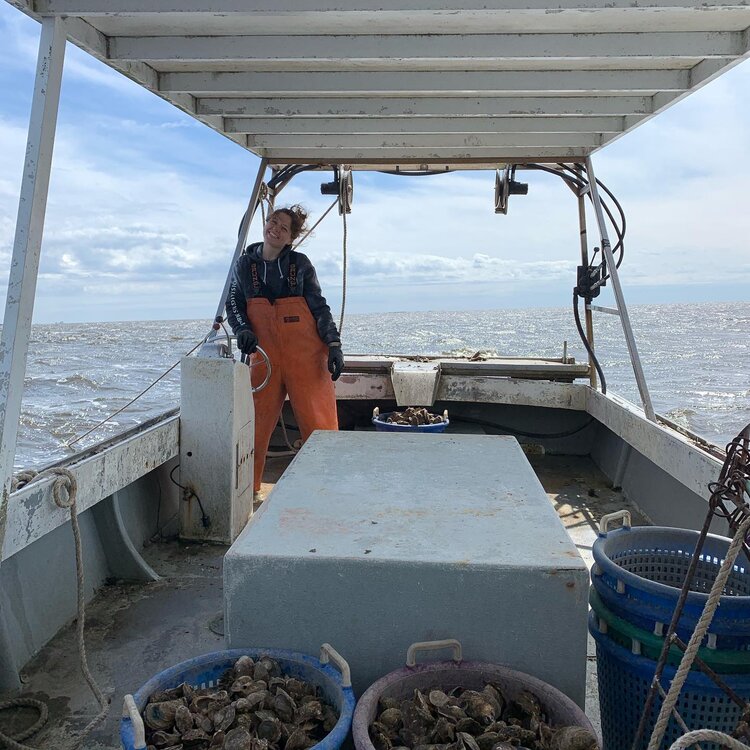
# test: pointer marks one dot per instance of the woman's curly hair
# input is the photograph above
(298, 216)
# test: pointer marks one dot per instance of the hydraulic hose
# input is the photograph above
(585, 341)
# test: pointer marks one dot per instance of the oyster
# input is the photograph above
(460, 719)
(253, 707)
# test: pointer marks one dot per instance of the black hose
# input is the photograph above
(524, 433)
(585, 341)
(619, 230)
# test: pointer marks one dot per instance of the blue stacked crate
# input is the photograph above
(637, 575)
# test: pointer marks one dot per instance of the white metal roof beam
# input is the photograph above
(85, 36)
(426, 141)
(222, 7)
(392, 125)
(418, 156)
(549, 47)
(454, 82)
(424, 106)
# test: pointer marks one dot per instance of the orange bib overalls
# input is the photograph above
(287, 332)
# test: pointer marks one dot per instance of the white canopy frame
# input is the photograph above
(453, 82)
(24, 267)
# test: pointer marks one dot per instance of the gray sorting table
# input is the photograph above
(371, 541)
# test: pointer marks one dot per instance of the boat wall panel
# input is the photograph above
(663, 499)
(38, 587)
(32, 512)
(680, 458)
(151, 508)
(133, 515)
(575, 431)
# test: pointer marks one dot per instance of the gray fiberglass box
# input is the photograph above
(372, 541)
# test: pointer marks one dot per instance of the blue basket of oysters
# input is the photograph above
(293, 701)
(412, 419)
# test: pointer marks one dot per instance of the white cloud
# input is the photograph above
(147, 209)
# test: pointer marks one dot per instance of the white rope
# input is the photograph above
(343, 280)
(707, 735)
(676, 715)
(695, 639)
(133, 400)
(64, 492)
(312, 229)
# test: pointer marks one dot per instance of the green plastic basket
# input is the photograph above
(641, 642)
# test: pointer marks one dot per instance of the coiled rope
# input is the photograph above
(695, 639)
(64, 492)
(707, 735)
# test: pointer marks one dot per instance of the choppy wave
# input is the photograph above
(696, 359)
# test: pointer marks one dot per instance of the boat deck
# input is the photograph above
(135, 630)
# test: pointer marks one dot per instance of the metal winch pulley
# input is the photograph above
(342, 185)
(505, 186)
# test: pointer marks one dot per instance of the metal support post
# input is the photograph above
(247, 219)
(585, 263)
(619, 298)
(24, 265)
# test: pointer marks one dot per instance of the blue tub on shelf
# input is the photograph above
(206, 670)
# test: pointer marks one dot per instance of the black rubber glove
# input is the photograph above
(247, 341)
(335, 361)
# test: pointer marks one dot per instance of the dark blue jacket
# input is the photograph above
(273, 282)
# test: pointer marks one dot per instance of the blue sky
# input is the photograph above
(144, 205)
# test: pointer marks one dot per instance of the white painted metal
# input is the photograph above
(359, 83)
(219, 60)
(619, 297)
(349, 50)
(406, 142)
(669, 450)
(424, 106)
(583, 236)
(24, 266)
(302, 126)
(247, 219)
(33, 513)
(415, 383)
(216, 448)
(498, 390)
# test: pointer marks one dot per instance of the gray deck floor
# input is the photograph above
(136, 630)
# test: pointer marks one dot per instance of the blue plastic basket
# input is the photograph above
(382, 426)
(624, 681)
(206, 670)
(638, 574)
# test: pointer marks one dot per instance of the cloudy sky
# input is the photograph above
(144, 205)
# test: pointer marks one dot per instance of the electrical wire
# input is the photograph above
(133, 400)
(205, 520)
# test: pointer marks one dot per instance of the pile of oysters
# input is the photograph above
(471, 720)
(414, 416)
(253, 707)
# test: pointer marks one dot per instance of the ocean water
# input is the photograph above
(696, 358)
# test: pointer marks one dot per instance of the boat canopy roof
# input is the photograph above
(409, 83)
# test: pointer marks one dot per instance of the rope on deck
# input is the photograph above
(700, 631)
(64, 492)
(707, 735)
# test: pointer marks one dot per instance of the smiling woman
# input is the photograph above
(275, 303)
